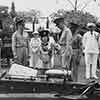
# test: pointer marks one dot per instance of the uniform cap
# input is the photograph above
(35, 32)
(44, 33)
(58, 20)
(91, 25)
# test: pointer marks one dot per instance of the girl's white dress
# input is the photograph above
(35, 44)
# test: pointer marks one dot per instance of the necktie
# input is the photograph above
(91, 32)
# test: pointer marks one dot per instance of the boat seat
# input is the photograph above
(58, 73)
(20, 71)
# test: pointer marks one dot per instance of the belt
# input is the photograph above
(77, 51)
(20, 46)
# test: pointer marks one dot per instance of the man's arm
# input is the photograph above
(62, 37)
(14, 44)
(84, 40)
(69, 37)
(55, 45)
(28, 44)
(99, 43)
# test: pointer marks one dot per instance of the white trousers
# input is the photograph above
(91, 64)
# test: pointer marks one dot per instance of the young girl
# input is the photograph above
(34, 49)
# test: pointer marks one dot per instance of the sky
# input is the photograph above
(49, 6)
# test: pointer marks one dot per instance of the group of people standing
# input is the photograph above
(42, 51)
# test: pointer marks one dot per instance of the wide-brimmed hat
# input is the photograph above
(35, 33)
(59, 20)
(91, 25)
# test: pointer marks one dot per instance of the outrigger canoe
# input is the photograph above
(23, 83)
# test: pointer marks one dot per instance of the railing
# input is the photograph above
(6, 52)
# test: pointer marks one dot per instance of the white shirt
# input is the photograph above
(90, 42)
(35, 44)
(66, 36)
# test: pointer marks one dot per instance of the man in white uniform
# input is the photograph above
(91, 50)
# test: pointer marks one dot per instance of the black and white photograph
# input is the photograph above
(49, 49)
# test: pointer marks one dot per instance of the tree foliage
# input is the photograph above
(29, 15)
(76, 19)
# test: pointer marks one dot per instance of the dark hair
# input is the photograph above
(44, 33)
(20, 23)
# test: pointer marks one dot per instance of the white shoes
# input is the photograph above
(95, 77)
(87, 77)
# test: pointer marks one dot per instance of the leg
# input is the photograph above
(74, 67)
(68, 59)
(63, 60)
(68, 56)
(98, 61)
(87, 62)
(94, 65)
(25, 56)
(76, 63)
(19, 55)
(31, 61)
(52, 62)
